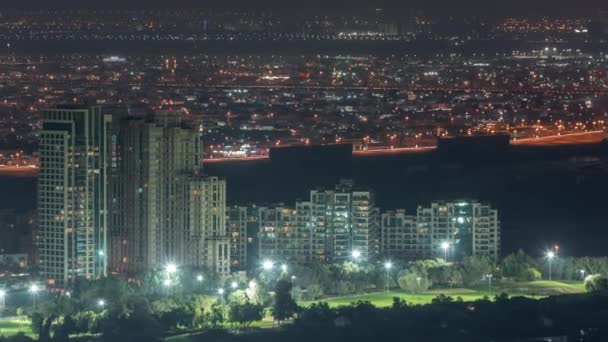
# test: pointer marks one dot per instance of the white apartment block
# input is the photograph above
(72, 194)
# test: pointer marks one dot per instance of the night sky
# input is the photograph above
(443, 7)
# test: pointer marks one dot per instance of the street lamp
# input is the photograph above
(234, 285)
(550, 256)
(418, 280)
(582, 274)
(199, 278)
(34, 290)
(387, 266)
(167, 282)
(356, 254)
(445, 246)
(220, 292)
(284, 268)
(101, 303)
(293, 280)
(267, 265)
(489, 277)
(171, 268)
(2, 296)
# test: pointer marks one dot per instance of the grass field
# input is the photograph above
(13, 327)
(385, 299)
(537, 289)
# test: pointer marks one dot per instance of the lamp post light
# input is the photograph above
(550, 256)
(418, 280)
(234, 285)
(101, 303)
(170, 268)
(34, 290)
(445, 246)
(267, 265)
(199, 278)
(220, 293)
(489, 277)
(356, 254)
(284, 268)
(2, 303)
(387, 266)
(582, 274)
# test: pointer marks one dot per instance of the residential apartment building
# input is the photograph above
(165, 210)
(400, 236)
(457, 229)
(73, 193)
(329, 226)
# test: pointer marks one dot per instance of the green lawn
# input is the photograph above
(12, 327)
(542, 288)
(385, 299)
(537, 289)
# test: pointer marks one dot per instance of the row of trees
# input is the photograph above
(579, 317)
(320, 280)
(133, 315)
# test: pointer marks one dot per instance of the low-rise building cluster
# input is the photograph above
(344, 223)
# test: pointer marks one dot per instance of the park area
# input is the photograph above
(12, 326)
(535, 289)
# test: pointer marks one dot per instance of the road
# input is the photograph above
(19, 171)
(592, 137)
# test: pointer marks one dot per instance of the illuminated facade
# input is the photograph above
(328, 227)
(207, 242)
(400, 236)
(238, 219)
(278, 239)
(458, 229)
(166, 211)
(72, 194)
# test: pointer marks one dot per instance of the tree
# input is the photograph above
(532, 274)
(474, 269)
(596, 282)
(37, 321)
(216, 315)
(442, 299)
(245, 313)
(284, 305)
(21, 315)
(445, 275)
(345, 287)
(517, 266)
(413, 282)
(314, 291)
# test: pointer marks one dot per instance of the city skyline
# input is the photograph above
(246, 171)
(462, 7)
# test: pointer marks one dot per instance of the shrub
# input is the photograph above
(412, 282)
(532, 274)
(596, 282)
